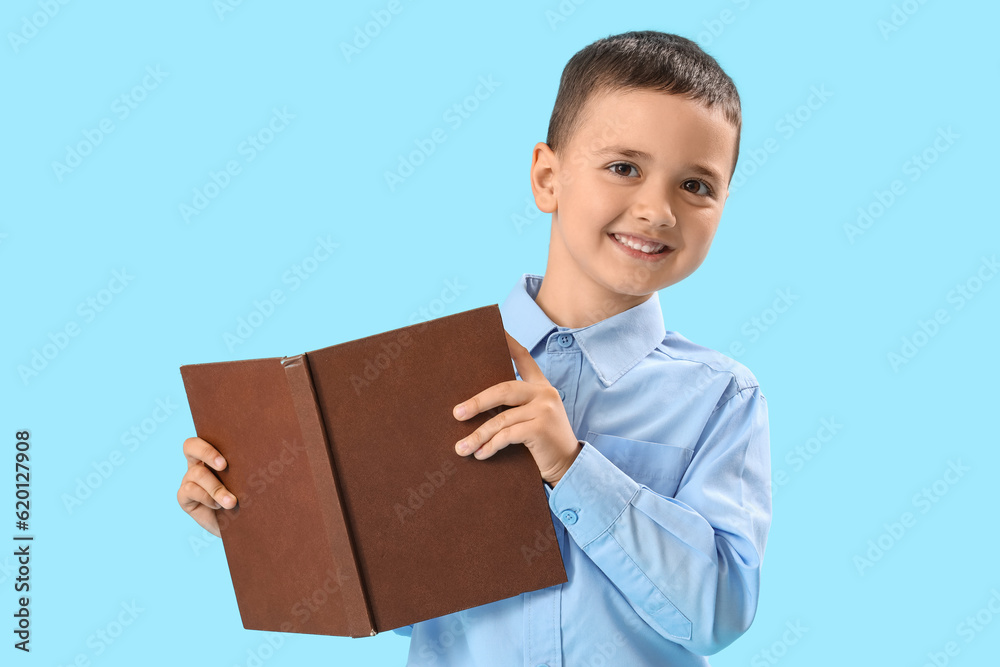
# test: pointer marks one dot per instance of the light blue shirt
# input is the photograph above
(661, 520)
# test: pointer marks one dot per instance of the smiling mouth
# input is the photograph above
(644, 247)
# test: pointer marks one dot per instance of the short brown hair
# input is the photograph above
(644, 59)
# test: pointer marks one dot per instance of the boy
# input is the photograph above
(654, 451)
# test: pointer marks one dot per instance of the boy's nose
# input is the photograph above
(653, 204)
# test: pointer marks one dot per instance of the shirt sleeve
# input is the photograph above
(405, 631)
(689, 565)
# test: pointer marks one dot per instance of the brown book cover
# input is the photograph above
(355, 514)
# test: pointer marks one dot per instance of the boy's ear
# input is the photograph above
(544, 168)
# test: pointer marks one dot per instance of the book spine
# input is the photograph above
(337, 524)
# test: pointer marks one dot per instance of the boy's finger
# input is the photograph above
(478, 439)
(527, 367)
(199, 505)
(191, 495)
(508, 394)
(197, 450)
(207, 480)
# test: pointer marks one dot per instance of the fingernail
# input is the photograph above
(462, 447)
(228, 501)
(459, 411)
(219, 462)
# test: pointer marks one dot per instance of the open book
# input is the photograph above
(355, 514)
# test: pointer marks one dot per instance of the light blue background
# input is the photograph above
(455, 219)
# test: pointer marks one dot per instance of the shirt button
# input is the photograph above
(565, 340)
(562, 394)
(568, 517)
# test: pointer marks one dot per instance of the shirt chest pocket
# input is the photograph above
(656, 465)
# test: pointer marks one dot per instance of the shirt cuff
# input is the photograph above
(591, 495)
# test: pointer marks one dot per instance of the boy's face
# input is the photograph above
(641, 163)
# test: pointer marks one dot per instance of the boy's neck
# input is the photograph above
(575, 301)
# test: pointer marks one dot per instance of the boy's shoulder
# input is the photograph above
(710, 364)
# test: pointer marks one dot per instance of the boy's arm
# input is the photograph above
(689, 565)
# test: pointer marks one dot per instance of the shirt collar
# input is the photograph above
(612, 346)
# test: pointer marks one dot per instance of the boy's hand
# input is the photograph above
(201, 492)
(537, 418)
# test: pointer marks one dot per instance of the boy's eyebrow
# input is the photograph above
(642, 155)
(624, 152)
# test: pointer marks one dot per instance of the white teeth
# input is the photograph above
(648, 249)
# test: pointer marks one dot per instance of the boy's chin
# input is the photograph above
(639, 285)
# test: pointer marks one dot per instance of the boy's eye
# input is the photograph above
(705, 191)
(621, 169)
